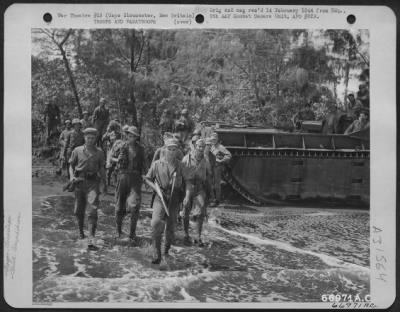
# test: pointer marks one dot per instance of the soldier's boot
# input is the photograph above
(134, 220)
(157, 248)
(92, 229)
(167, 247)
(199, 229)
(80, 226)
(186, 240)
(92, 233)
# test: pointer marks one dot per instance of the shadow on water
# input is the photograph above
(229, 268)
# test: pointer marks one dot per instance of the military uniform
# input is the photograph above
(128, 191)
(222, 156)
(74, 139)
(87, 165)
(165, 174)
(160, 152)
(197, 176)
(354, 108)
(184, 125)
(112, 150)
(115, 126)
(100, 119)
(86, 124)
(356, 126)
(63, 141)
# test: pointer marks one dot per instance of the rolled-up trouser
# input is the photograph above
(128, 199)
(196, 206)
(160, 220)
(217, 182)
(63, 161)
(87, 195)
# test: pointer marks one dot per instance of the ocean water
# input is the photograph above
(251, 255)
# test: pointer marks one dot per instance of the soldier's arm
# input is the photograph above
(114, 153)
(67, 142)
(227, 155)
(61, 138)
(188, 176)
(94, 116)
(156, 155)
(102, 170)
(209, 178)
(151, 173)
(72, 163)
(144, 165)
(295, 117)
(349, 128)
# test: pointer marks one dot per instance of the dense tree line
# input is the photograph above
(246, 76)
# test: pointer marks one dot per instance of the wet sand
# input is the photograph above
(252, 254)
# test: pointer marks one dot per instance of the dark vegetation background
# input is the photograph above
(239, 76)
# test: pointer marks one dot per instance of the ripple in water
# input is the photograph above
(251, 257)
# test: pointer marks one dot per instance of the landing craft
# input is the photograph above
(273, 166)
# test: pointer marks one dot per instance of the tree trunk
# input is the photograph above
(72, 81)
(346, 81)
(253, 78)
(132, 79)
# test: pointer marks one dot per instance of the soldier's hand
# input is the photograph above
(185, 201)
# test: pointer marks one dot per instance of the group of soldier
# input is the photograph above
(185, 175)
(356, 117)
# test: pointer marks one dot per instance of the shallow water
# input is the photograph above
(251, 255)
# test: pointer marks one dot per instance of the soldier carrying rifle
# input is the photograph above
(86, 170)
(165, 178)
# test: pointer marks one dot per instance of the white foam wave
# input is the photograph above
(329, 260)
(122, 289)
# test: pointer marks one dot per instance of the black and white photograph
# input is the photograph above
(200, 166)
(199, 156)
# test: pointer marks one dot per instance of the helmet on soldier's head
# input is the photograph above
(91, 131)
(85, 112)
(67, 121)
(201, 142)
(167, 136)
(133, 130)
(195, 138)
(211, 141)
(197, 132)
(76, 121)
(184, 111)
(171, 142)
(177, 136)
(125, 128)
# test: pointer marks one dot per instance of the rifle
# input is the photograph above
(156, 188)
(70, 186)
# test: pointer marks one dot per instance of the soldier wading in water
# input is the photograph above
(130, 160)
(86, 169)
(197, 176)
(167, 173)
